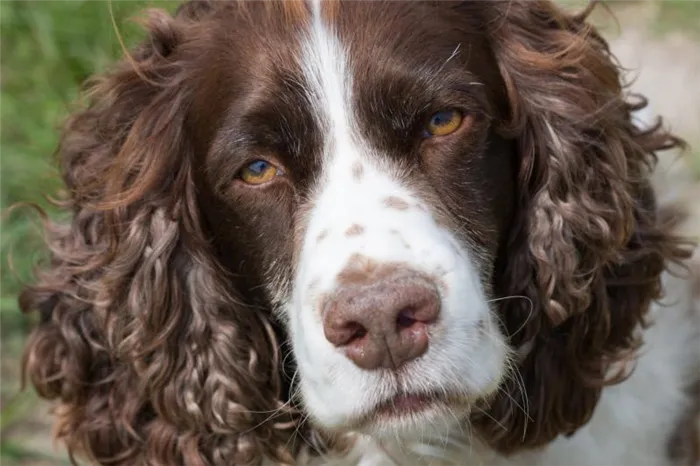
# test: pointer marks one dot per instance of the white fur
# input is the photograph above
(631, 424)
(632, 421)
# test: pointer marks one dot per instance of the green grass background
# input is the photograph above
(48, 48)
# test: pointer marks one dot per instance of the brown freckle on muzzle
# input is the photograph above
(357, 268)
(396, 203)
(354, 230)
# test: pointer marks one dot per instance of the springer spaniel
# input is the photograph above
(366, 233)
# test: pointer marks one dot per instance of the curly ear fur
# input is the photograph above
(150, 355)
(587, 248)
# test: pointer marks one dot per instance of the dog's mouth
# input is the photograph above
(405, 408)
(407, 403)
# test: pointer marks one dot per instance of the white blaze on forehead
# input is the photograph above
(329, 81)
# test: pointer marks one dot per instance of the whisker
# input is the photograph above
(490, 417)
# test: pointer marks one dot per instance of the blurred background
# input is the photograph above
(49, 47)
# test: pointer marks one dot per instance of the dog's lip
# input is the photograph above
(407, 403)
(404, 405)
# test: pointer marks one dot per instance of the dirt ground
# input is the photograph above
(667, 70)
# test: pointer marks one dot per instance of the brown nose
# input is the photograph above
(383, 323)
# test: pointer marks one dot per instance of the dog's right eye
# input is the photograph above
(259, 172)
(443, 123)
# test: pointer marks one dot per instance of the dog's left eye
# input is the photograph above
(259, 172)
(443, 123)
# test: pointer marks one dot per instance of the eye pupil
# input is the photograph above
(442, 118)
(443, 123)
(259, 172)
(258, 167)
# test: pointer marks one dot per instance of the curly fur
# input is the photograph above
(589, 250)
(154, 353)
(152, 357)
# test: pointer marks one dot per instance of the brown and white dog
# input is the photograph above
(344, 232)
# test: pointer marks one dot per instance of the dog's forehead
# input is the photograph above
(363, 46)
(415, 31)
(337, 14)
(323, 72)
(258, 43)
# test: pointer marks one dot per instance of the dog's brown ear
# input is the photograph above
(587, 249)
(149, 356)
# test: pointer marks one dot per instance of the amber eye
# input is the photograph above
(443, 123)
(259, 172)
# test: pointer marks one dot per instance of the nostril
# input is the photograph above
(346, 333)
(355, 331)
(423, 313)
(405, 318)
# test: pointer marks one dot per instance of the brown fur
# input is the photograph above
(153, 357)
(588, 249)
